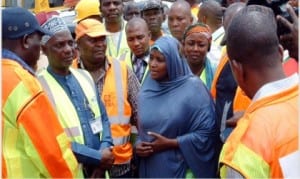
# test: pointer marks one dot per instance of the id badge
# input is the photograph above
(96, 125)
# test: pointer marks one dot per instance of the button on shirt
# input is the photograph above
(84, 153)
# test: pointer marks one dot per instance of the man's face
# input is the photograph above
(33, 52)
(178, 20)
(92, 49)
(138, 38)
(154, 18)
(111, 10)
(132, 12)
(60, 50)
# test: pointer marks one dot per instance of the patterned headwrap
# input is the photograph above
(54, 25)
(198, 28)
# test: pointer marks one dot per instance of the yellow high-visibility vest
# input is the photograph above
(65, 109)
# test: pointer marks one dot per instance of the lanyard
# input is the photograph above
(118, 45)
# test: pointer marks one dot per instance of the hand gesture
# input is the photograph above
(290, 41)
(143, 149)
(162, 143)
(231, 122)
(107, 159)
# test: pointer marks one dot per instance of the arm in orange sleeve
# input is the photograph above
(45, 139)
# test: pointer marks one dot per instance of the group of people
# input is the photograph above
(123, 97)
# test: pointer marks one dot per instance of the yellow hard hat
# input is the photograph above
(86, 8)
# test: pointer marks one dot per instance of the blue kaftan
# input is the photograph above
(181, 108)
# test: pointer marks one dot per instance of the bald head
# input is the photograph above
(179, 18)
(138, 36)
(252, 37)
(231, 11)
(136, 22)
(211, 13)
(181, 4)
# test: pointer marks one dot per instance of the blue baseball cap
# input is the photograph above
(17, 22)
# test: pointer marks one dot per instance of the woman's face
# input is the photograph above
(195, 48)
(158, 66)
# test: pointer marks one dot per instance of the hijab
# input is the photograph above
(178, 69)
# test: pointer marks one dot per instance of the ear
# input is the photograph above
(149, 34)
(192, 20)
(237, 70)
(100, 9)
(44, 49)
(204, 18)
(26, 41)
(182, 42)
(181, 50)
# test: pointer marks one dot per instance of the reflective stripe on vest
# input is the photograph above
(241, 158)
(119, 49)
(243, 161)
(23, 154)
(114, 96)
(264, 156)
(64, 105)
(121, 140)
(11, 136)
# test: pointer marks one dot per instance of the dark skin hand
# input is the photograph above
(290, 40)
(161, 143)
(231, 122)
(107, 159)
(143, 149)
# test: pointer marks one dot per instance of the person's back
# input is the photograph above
(268, 130)
(224, 87)
(29, 123)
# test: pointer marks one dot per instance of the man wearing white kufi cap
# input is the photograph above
(73, 93)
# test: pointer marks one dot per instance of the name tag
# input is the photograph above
(96, 125)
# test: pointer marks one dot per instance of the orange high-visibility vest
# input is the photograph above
(34, 144)
(114, 97)
(267, 132)
(241, 101)
(223, 61)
